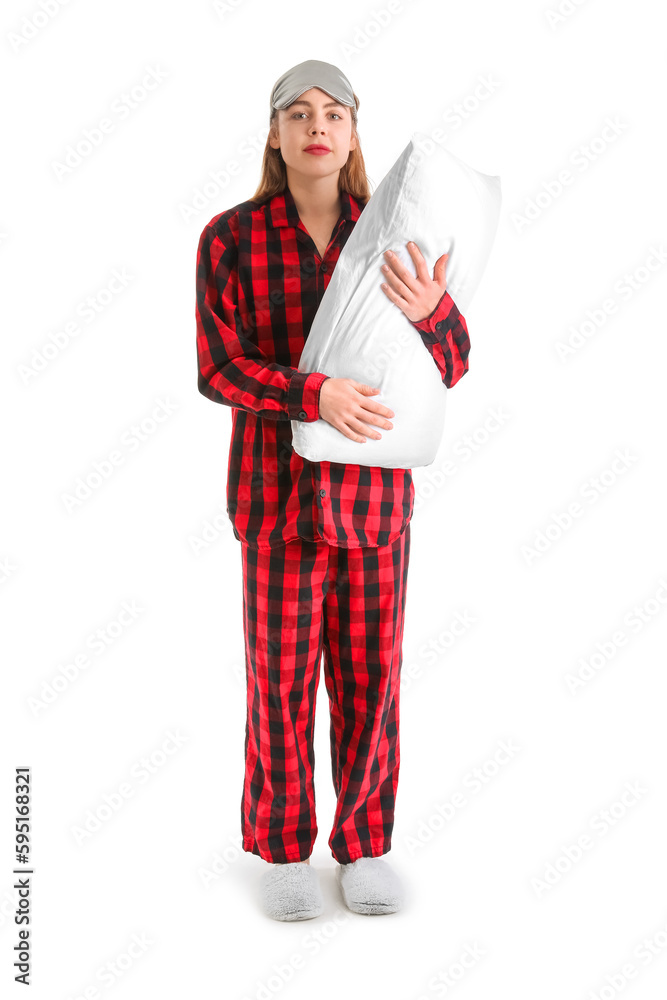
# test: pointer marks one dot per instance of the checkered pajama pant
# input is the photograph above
(301, 600)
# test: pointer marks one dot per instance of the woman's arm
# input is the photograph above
(443, 331)
(445, 334)
(231, 369)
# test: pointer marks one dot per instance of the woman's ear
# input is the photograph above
(274, 138)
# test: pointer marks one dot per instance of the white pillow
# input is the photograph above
(445, 206)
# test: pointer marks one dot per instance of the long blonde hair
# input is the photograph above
(352, 177)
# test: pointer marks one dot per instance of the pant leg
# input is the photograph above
(364, 611)
(282, 617)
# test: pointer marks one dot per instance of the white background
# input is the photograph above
(491, 877)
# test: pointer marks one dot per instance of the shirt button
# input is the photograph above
(439, 325)
(323, 493)
(324, 267)
(302, 414)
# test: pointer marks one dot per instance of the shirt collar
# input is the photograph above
(282, 210)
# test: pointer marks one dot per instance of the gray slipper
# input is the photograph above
(291, 892)
(370, 885)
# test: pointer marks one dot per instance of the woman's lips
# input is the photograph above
(317, 151)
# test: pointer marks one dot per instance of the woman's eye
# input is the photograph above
(298, 113)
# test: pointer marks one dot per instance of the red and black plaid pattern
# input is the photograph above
(260, 280)
(301, 600)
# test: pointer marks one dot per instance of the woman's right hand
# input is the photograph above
(344, 404)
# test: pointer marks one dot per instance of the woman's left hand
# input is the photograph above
(416, 296)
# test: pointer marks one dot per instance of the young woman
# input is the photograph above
(324, 546)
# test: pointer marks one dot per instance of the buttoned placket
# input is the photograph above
(324, 526)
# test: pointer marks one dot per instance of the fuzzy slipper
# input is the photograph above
(291, 892)
(370, 885)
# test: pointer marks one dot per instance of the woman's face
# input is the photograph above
(315, 119)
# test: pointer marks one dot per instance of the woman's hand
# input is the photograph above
(416, 296)
(344, 405)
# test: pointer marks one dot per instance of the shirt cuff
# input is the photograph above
(303, 395)
(441, 320)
